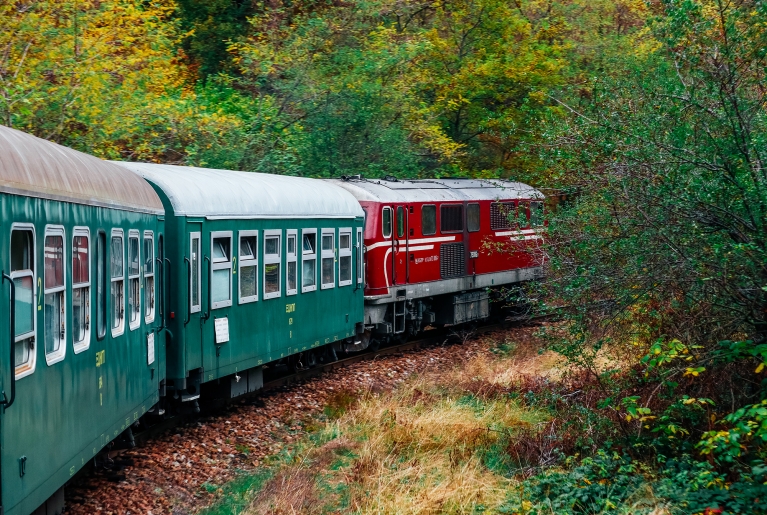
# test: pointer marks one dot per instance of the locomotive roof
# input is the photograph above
(227, 194)
(34, 167)
(435, 190)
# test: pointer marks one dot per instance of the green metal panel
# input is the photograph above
(64, 413)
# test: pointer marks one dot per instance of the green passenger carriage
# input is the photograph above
(263, 268)
(79, 357)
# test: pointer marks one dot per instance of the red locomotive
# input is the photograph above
(437, 249)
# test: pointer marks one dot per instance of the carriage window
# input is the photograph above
(359, 257)
(386, 222)
(536, 213)
(221, 270)
(400, 221)
(309, 260)
(328, 259)
(23, 276)
(134, 281)
(472, 217)
(101, 285)
(429, 220)
(272, 257)
(195, 274)
(291, 264)
(54, 316)
(248, 266)
(502, 215)
(451, 218)
(81, 291)
(149, 282)
(117, 290)
(344, 257)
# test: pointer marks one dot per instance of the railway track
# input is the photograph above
(450, 335)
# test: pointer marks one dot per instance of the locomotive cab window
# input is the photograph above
(81, 290)
(195, 272)
(134, 280)
(451, 218)
(55, 317)
(248, 271)
(291, 265)
(308, 260)
(221, 269)
(344, 256)
(472, 217)
(429, 220)
(117, 286)
(272, 258)
(386, 222)
(536, 213)
(149, 282)
(328, 258)
(23, 276)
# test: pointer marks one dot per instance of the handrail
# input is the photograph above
(170, 277)
(210, 273)
(163, 293)
(5, 402)
(188, 304)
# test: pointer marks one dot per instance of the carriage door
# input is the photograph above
(400, 245)
(193, 260)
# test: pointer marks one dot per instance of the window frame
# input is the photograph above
(360, 258)
(462, 217)
(117, 331)
(345, 253)
(291, 258)
(220, 264)
(309, 257)
(134, 233)
(29, 367)
(423, 232)
(541, 222)
(101, 282)
(328, 254)
(247, 262)
(479, 216)
(58, 355)
(391, 222)
(195, 308)
(149, 318)
(77, 348)
(271, 233)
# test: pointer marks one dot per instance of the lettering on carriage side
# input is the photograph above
(327, 340)
(290, 321)
(210, 377)
(100, 357)
(39, 294)
(260, 361)
(291, 335)
(290, 308)
(72, 471)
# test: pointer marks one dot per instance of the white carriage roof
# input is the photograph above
(34, 167)
(228, 194)
(435, 190)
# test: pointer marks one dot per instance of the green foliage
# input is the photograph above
(613, 483)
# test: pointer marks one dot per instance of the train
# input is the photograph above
(134, 290)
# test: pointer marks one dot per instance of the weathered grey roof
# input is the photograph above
(435, 190)
(38, 168)
(227, 194)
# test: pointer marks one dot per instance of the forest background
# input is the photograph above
(647, 117)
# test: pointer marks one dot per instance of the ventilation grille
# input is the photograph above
(499, 215)
(451, 259)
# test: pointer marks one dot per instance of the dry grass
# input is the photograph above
(435, 445)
